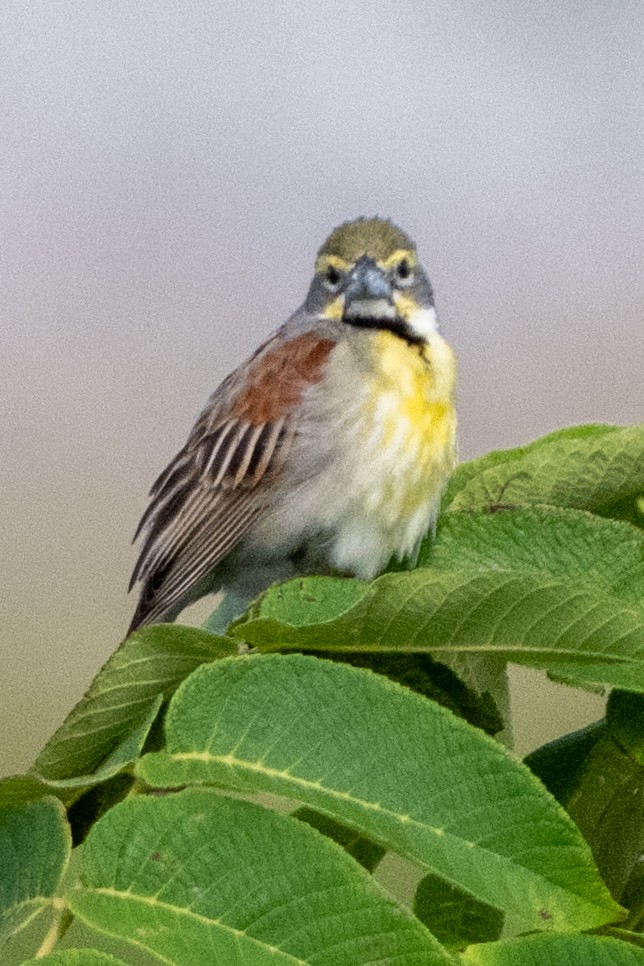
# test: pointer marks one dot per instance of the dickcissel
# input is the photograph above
(326, 451)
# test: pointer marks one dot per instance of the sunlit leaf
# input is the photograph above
(108, 727)
(587, 467)
(198, 879)
(398, 768)
(555, 951)
(35, 845)
(558, 590)
(76, 957)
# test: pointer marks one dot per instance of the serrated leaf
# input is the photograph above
(598, 775)
(363, 850)
(587, 467)
(608, 800)
(198, 878)
(511, 585)
(472, 700)
(467, 471)
(35, 844)
(555, 951)
(76, 957)
(123, 753)
(453, 916)
(108, 727)
(18, 790)
(559, 764)
(625, 717)
(608, 555)
(396, 767)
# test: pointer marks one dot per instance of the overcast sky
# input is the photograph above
(167, 173)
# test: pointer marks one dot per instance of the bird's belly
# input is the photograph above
(373, 459)
(402, 455)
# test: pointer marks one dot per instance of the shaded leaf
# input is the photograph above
(608, 801)
(560, 763)
(108, 727)
(363, 850)
(555, 951)
(128, 746)
(453, 916)
(625, 716)
(35, 845)
(597, 774)
(198, 878)
(95, 802)
(627, 935)
(396, 767)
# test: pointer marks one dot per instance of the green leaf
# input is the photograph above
(560, 763)
(108, 727)
(123, 752)
(625, 715)
(35, 844)
(94, 802)
(363, 850)
(465, 472)
(474, 700)
(598, 774)
(454, 917)
(587, 467)
(549, 589)
(555, 951)
(77, 957)
(627, 935)
(198, 878)
(391, 764)
(607, 555)
(608, 800)
(17, 790)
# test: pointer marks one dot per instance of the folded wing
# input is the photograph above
(221, 481)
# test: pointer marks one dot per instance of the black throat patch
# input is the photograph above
(396, 326)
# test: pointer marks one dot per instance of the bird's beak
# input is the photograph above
(368, 294)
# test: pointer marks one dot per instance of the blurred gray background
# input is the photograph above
(167, 172)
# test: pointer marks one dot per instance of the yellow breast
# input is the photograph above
(410, 407)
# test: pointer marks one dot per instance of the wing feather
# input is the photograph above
(195, 560)
(220, 482)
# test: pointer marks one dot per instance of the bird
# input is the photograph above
(327, 451)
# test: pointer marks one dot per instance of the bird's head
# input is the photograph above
(368, 276)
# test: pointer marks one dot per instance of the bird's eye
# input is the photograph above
(403, 270)
(333, 276)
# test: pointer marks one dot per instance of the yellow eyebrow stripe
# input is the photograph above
(331, 261)
(398, 256)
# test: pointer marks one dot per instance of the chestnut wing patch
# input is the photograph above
(208, 497)
(276, 382)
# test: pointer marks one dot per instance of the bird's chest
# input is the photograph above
(373, 452)
(405, 423)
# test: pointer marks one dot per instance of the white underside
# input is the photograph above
(343, 495)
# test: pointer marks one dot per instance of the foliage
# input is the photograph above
(204, 804)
